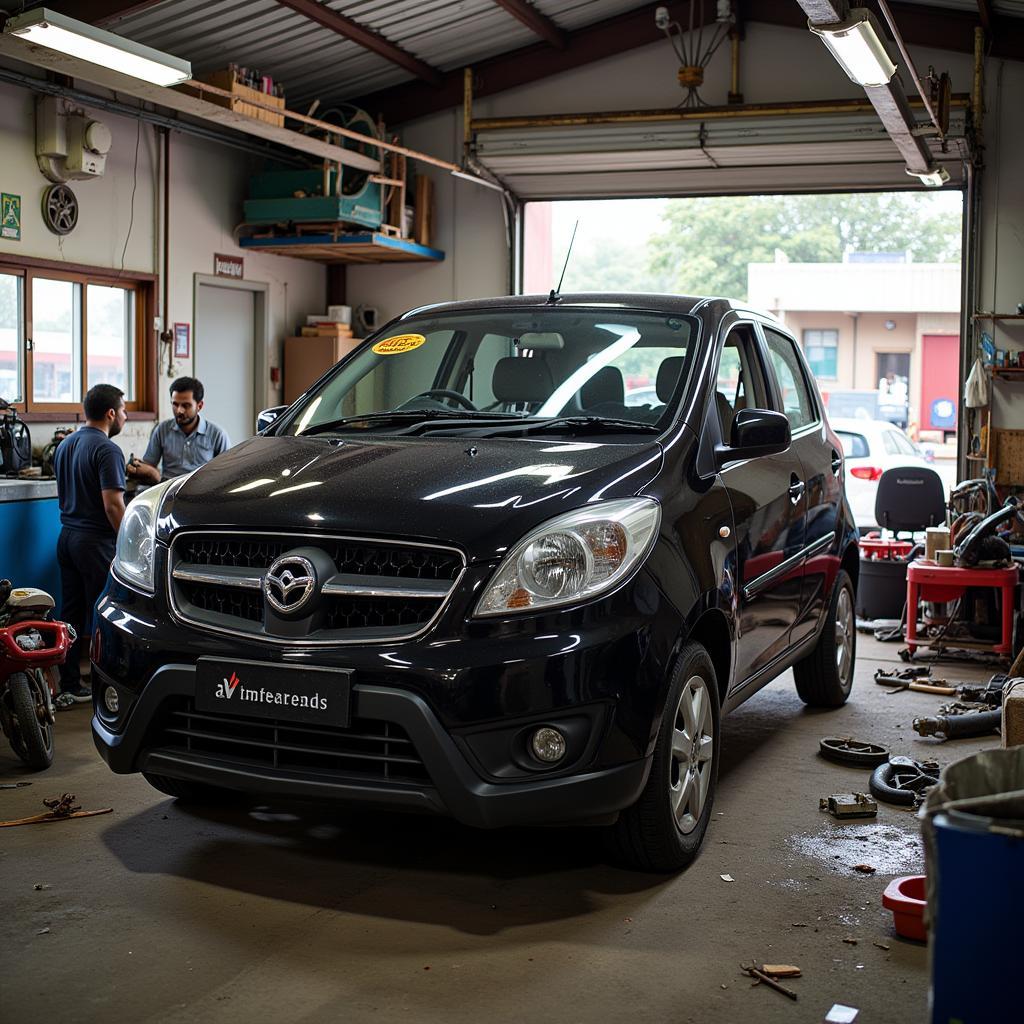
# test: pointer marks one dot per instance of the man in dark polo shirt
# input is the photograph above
(181, 444)
(90, 491)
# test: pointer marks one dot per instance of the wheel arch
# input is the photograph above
(711, 631)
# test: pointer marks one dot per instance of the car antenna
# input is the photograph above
(553, 297)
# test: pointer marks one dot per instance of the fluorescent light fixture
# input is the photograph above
(934, 177)
(856, 45)
(77, 39)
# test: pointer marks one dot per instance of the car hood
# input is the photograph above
(476, 494)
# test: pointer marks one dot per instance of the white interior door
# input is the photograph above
(225, 357)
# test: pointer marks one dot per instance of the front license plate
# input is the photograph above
(319, 696)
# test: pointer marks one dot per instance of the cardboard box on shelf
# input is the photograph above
(305, 359)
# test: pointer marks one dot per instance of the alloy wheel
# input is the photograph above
(844, 636)
(693, 742)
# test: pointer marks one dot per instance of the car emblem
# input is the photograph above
(289, 584)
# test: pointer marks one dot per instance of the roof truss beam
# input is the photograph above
(920, 25)
(364, 37)
(538, 23)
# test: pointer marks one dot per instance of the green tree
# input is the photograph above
(610, 264)
(708, 243)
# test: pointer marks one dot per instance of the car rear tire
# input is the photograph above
(188, 792)
(664, 829)
(825, 677)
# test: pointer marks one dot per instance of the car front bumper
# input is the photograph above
(595, 674)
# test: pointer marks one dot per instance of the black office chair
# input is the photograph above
(910, 499)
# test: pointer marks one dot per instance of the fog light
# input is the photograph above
(548, 745)
(110, 700)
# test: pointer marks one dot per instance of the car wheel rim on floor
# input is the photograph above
(693, 745)
(844, 635)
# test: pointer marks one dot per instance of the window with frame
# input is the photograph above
(61, 333)
(821, 347)
(797, 403)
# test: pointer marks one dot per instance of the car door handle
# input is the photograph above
(796, 488)
(837, 462)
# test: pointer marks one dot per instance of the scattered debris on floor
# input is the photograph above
(882, 945)
(43, 931)
(851, 941)
(865, 869)
(759, 976)
(60, 808)
(912, 679)
(847, 750)
(904, 781)
(848, 805)
(957, 724)
(781, 970)
(14, 785)
(40, 886)
(840, 1014)
(727, 878)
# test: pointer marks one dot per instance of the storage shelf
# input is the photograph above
(1012, 373)
(371, 247)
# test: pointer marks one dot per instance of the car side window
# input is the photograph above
(903, 444)
(797, 403)
(889, 441)
(855, 446)
(739, 383)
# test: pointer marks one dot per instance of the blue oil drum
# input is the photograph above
(977, 930)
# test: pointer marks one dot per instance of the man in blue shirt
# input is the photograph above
(183, 443)
(90, 491)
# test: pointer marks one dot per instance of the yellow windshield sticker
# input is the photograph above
(398, 344)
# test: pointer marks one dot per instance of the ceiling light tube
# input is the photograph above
(97, 46)
(857, 46)
(934, 177)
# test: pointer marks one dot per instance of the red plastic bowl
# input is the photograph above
(905, 898)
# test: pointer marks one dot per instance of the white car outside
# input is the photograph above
(870, 447)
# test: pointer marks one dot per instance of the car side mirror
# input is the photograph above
(267, 416)
(755, 433)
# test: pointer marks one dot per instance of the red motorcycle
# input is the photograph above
(29, 645)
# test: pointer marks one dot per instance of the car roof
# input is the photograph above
(857, 425)
(700, 305)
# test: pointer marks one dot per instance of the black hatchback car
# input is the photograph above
(508, 561)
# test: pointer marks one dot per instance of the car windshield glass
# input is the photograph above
(493, 366)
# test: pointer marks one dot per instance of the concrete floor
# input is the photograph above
(157, 913)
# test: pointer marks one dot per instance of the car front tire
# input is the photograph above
(664, 829)
(825, 677)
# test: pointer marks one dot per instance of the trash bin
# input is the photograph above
(973, 825)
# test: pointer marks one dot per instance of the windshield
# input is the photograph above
(575, 368)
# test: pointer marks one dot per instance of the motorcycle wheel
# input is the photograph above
(32, 736)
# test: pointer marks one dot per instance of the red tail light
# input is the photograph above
(866, 472)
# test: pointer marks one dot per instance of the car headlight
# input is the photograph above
(573, 557)
(136, 540)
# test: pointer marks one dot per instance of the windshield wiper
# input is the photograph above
(403, 415)
(589, 424)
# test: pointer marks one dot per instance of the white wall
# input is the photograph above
(207, 188)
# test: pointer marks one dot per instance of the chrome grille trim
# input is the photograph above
(229, 576)
(222, 576)
(378, 586)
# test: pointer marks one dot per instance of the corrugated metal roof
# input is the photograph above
(314, 63)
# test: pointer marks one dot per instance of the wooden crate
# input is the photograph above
(1006, 456)
(240, 93)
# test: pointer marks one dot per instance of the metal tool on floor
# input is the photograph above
(848, 805)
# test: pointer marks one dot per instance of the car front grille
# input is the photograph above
(368, 750)
(380, 591)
